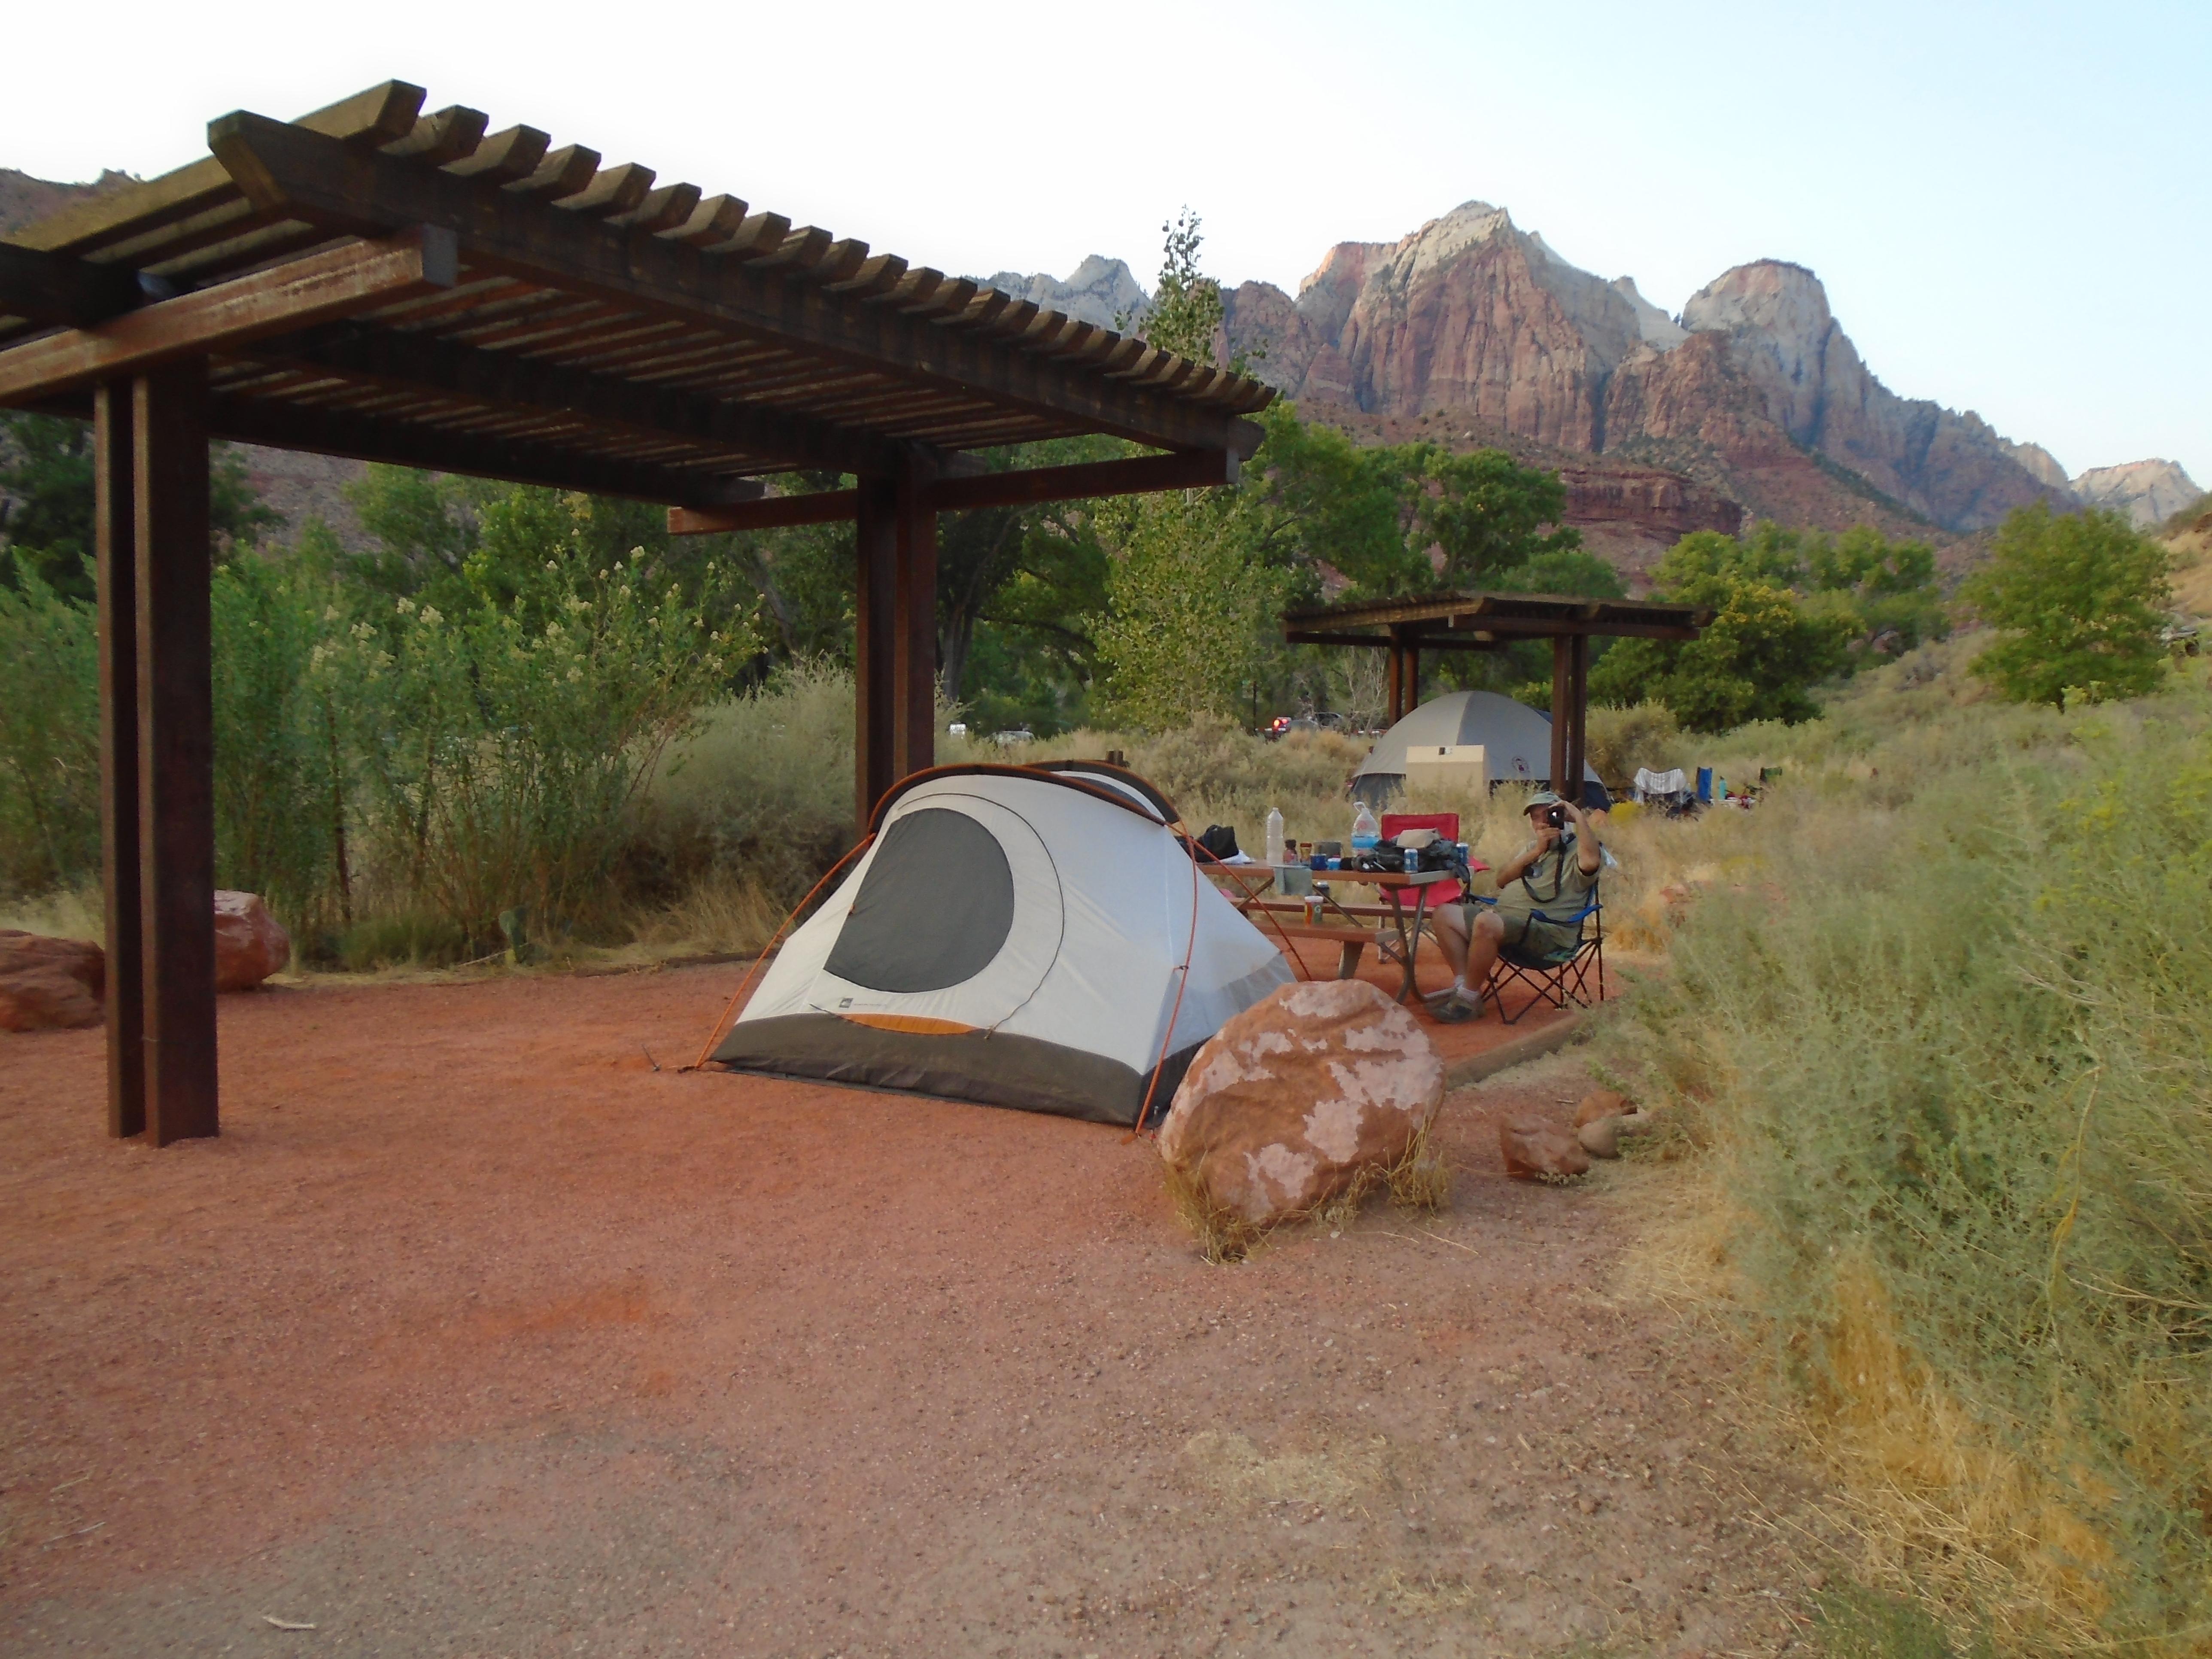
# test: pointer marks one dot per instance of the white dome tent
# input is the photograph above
(1018, 936)
(1516, 740)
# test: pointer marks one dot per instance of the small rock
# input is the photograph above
(49, 984)
(1602, 1102)
(1533, 1148)
(1287, 1102)
(250, 944)
(1601, 1137)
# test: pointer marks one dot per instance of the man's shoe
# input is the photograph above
(1455, 1009)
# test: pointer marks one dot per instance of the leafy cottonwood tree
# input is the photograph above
(1189, 594)
(2080, 598)
(1487, 512)
(1757, 660)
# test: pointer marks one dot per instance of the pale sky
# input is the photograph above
(2008, 203)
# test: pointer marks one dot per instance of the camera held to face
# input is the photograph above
(1556, 816)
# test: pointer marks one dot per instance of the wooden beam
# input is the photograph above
(1429, 642)
(875, 666)
(1184, 470)
(318, 430)
(231, 314)
(114, 529)
(176, 754)
(1578, 657)
(914, 651)
(50, 287)
(345, 187)
(1197, 469)
(1562, 711)
(769, 513)
(378, 116)
(1532, 615)
(507, 380)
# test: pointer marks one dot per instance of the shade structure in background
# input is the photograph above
(1016, 936)
(1515, 741)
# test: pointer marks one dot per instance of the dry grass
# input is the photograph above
(72, 912)
(1421, 1180)
(1936, 1038)
(721, 910)
(1224, 1235)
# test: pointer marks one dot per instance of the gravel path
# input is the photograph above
(474, 1335)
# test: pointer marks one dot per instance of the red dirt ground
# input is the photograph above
(475, 1335)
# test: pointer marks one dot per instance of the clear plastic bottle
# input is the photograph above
(1365, 832)
(1274, 835)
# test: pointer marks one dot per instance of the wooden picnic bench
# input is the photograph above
(1350, 941)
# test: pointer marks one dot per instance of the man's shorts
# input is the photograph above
(1540, 938)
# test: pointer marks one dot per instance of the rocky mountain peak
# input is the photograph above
(1440, 241)
(1100, 290)
(1660, 332)
(2148, 492)
(2040, 463)
(1773, 298)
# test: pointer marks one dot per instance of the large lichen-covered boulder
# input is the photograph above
(250, 944)
(1290, 1100)
(49, 984)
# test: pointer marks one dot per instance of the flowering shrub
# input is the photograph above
(501, 744)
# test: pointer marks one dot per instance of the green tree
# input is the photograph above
(1189, 608)
(1191, 599)
(1758, 659)
(48, 737)
(1486, 512)
(1332, 504)
(2080, 598)
(1769, 555)
(1569, 572)
(1186, 314)
(47, 505)
(424, 524)
(1890, 585)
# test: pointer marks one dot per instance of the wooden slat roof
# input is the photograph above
(1488, 616)
(603, 330)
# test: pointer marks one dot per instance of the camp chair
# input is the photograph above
(1573, 977)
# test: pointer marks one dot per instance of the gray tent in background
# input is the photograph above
(1517, 741)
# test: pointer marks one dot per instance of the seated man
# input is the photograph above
(1555, 873)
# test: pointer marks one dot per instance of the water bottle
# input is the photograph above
(1274, 835)
(1365, 832)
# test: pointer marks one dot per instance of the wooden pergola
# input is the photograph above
(1492, 622)
(375, 282)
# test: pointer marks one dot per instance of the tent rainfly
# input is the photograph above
(1035, 937)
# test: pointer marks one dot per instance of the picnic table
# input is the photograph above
(1246, 885)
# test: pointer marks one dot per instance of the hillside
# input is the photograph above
(2189, 535)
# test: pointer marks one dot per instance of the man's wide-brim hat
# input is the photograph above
(1541, 797)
